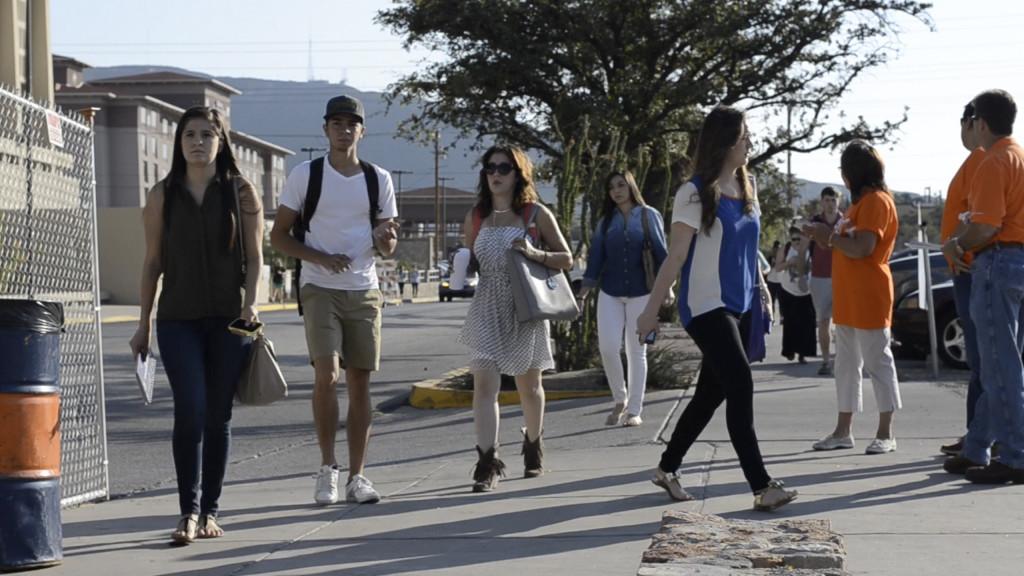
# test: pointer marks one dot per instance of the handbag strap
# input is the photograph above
(647, 227)
(533, 208)
(238, 226)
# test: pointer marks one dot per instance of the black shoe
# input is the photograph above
(954, 448)
(959, 464)
(487, 471)
(995, 473)
(533, 456)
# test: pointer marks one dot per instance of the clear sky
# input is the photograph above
(976, 44)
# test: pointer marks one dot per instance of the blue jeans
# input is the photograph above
(997, 295)
(962, 299)
(203, 362)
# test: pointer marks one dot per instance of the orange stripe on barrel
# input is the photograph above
(29, 436)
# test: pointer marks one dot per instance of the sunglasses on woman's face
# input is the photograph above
(503, 169)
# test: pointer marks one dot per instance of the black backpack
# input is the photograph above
(313, 189)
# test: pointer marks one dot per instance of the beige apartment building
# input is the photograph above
(135, 120)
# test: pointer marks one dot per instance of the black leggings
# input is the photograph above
(724, 376)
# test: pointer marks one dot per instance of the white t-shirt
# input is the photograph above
(341, 224)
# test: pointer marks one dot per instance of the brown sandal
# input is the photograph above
(208, 527)
(185, 533)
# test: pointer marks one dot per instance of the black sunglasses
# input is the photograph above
(504, 168)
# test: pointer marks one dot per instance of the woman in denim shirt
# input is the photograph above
(616, 266)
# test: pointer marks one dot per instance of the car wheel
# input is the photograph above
(952, 344)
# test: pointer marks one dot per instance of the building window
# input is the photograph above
(163, 150)
(152, 145)
(142, 143)
(142, 116)
(156, 176)
(164, 125)
(145, 172)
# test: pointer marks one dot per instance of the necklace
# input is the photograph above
(496, 211)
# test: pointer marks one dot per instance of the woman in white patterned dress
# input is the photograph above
(500, 344)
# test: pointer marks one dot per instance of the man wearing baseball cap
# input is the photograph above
(329, 199)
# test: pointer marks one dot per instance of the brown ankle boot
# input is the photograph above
(488, 469)
(533, 455)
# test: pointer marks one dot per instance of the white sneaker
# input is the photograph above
(632, 420)
(881, 446)
(326, 486)
(831, 442)
(360, 489)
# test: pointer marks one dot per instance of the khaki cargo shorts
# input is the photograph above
(343, 323)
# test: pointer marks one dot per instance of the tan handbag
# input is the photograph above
(261, 382)
(650, 269)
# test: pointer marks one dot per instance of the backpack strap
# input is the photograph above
(372, 190)
(314, 186)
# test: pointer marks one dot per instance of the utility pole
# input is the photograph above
(789, 153)
(444, 215)
(311, 149)
(398, 195)
(437, 187)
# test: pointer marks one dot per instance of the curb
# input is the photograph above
(259, 308)
(428, 394)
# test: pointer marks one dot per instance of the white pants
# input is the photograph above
(870, 350)
(616, 317)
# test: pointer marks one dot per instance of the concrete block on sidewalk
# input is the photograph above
(694, 543)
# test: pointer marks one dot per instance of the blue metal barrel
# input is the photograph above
(30, 527)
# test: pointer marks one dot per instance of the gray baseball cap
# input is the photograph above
(345, 104)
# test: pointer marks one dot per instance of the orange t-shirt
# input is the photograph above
(956, 197)
(862, 287)
(997, 192)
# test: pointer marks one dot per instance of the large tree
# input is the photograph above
(531, 72)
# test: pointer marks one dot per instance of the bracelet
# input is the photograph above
(545, 260)
(830, 236)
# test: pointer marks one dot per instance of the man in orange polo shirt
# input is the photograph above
(996, 235)
(956, 205)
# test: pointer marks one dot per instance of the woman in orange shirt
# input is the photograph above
(862, 297)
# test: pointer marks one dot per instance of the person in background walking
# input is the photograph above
(403, 277)
(616, 267)
(499, 343)
(821, 275)
(956, 206)
(862, 297)
(797, 308)
(715, 231)
(772, 278)
(414, 279)
(996, 235)
(191, 223)
(277, 282)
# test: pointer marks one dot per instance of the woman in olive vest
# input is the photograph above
(198, 222)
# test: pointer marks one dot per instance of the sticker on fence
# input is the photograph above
(54, 129)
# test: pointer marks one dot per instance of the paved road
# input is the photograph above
(419, 342)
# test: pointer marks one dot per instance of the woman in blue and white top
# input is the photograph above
(616, 267)
(715, 230)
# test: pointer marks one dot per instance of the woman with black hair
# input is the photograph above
(715, 234)
(192, 220)
(615, 266)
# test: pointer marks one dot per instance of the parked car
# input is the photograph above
(910, 321)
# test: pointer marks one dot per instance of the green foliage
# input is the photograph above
(597, 84)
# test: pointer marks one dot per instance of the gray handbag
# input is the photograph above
(539, 292)
(261, 381)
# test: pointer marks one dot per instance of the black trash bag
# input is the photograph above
(32, 315)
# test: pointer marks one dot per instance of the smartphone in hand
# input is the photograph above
(649, 339)
(242, 327)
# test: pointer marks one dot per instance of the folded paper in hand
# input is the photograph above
(145, 375)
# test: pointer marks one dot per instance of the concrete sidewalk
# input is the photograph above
(595, 510)
(130, 313)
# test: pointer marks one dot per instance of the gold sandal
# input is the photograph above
(208, 527)
(185, 533)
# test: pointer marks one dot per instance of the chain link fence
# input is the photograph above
(48, 252)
